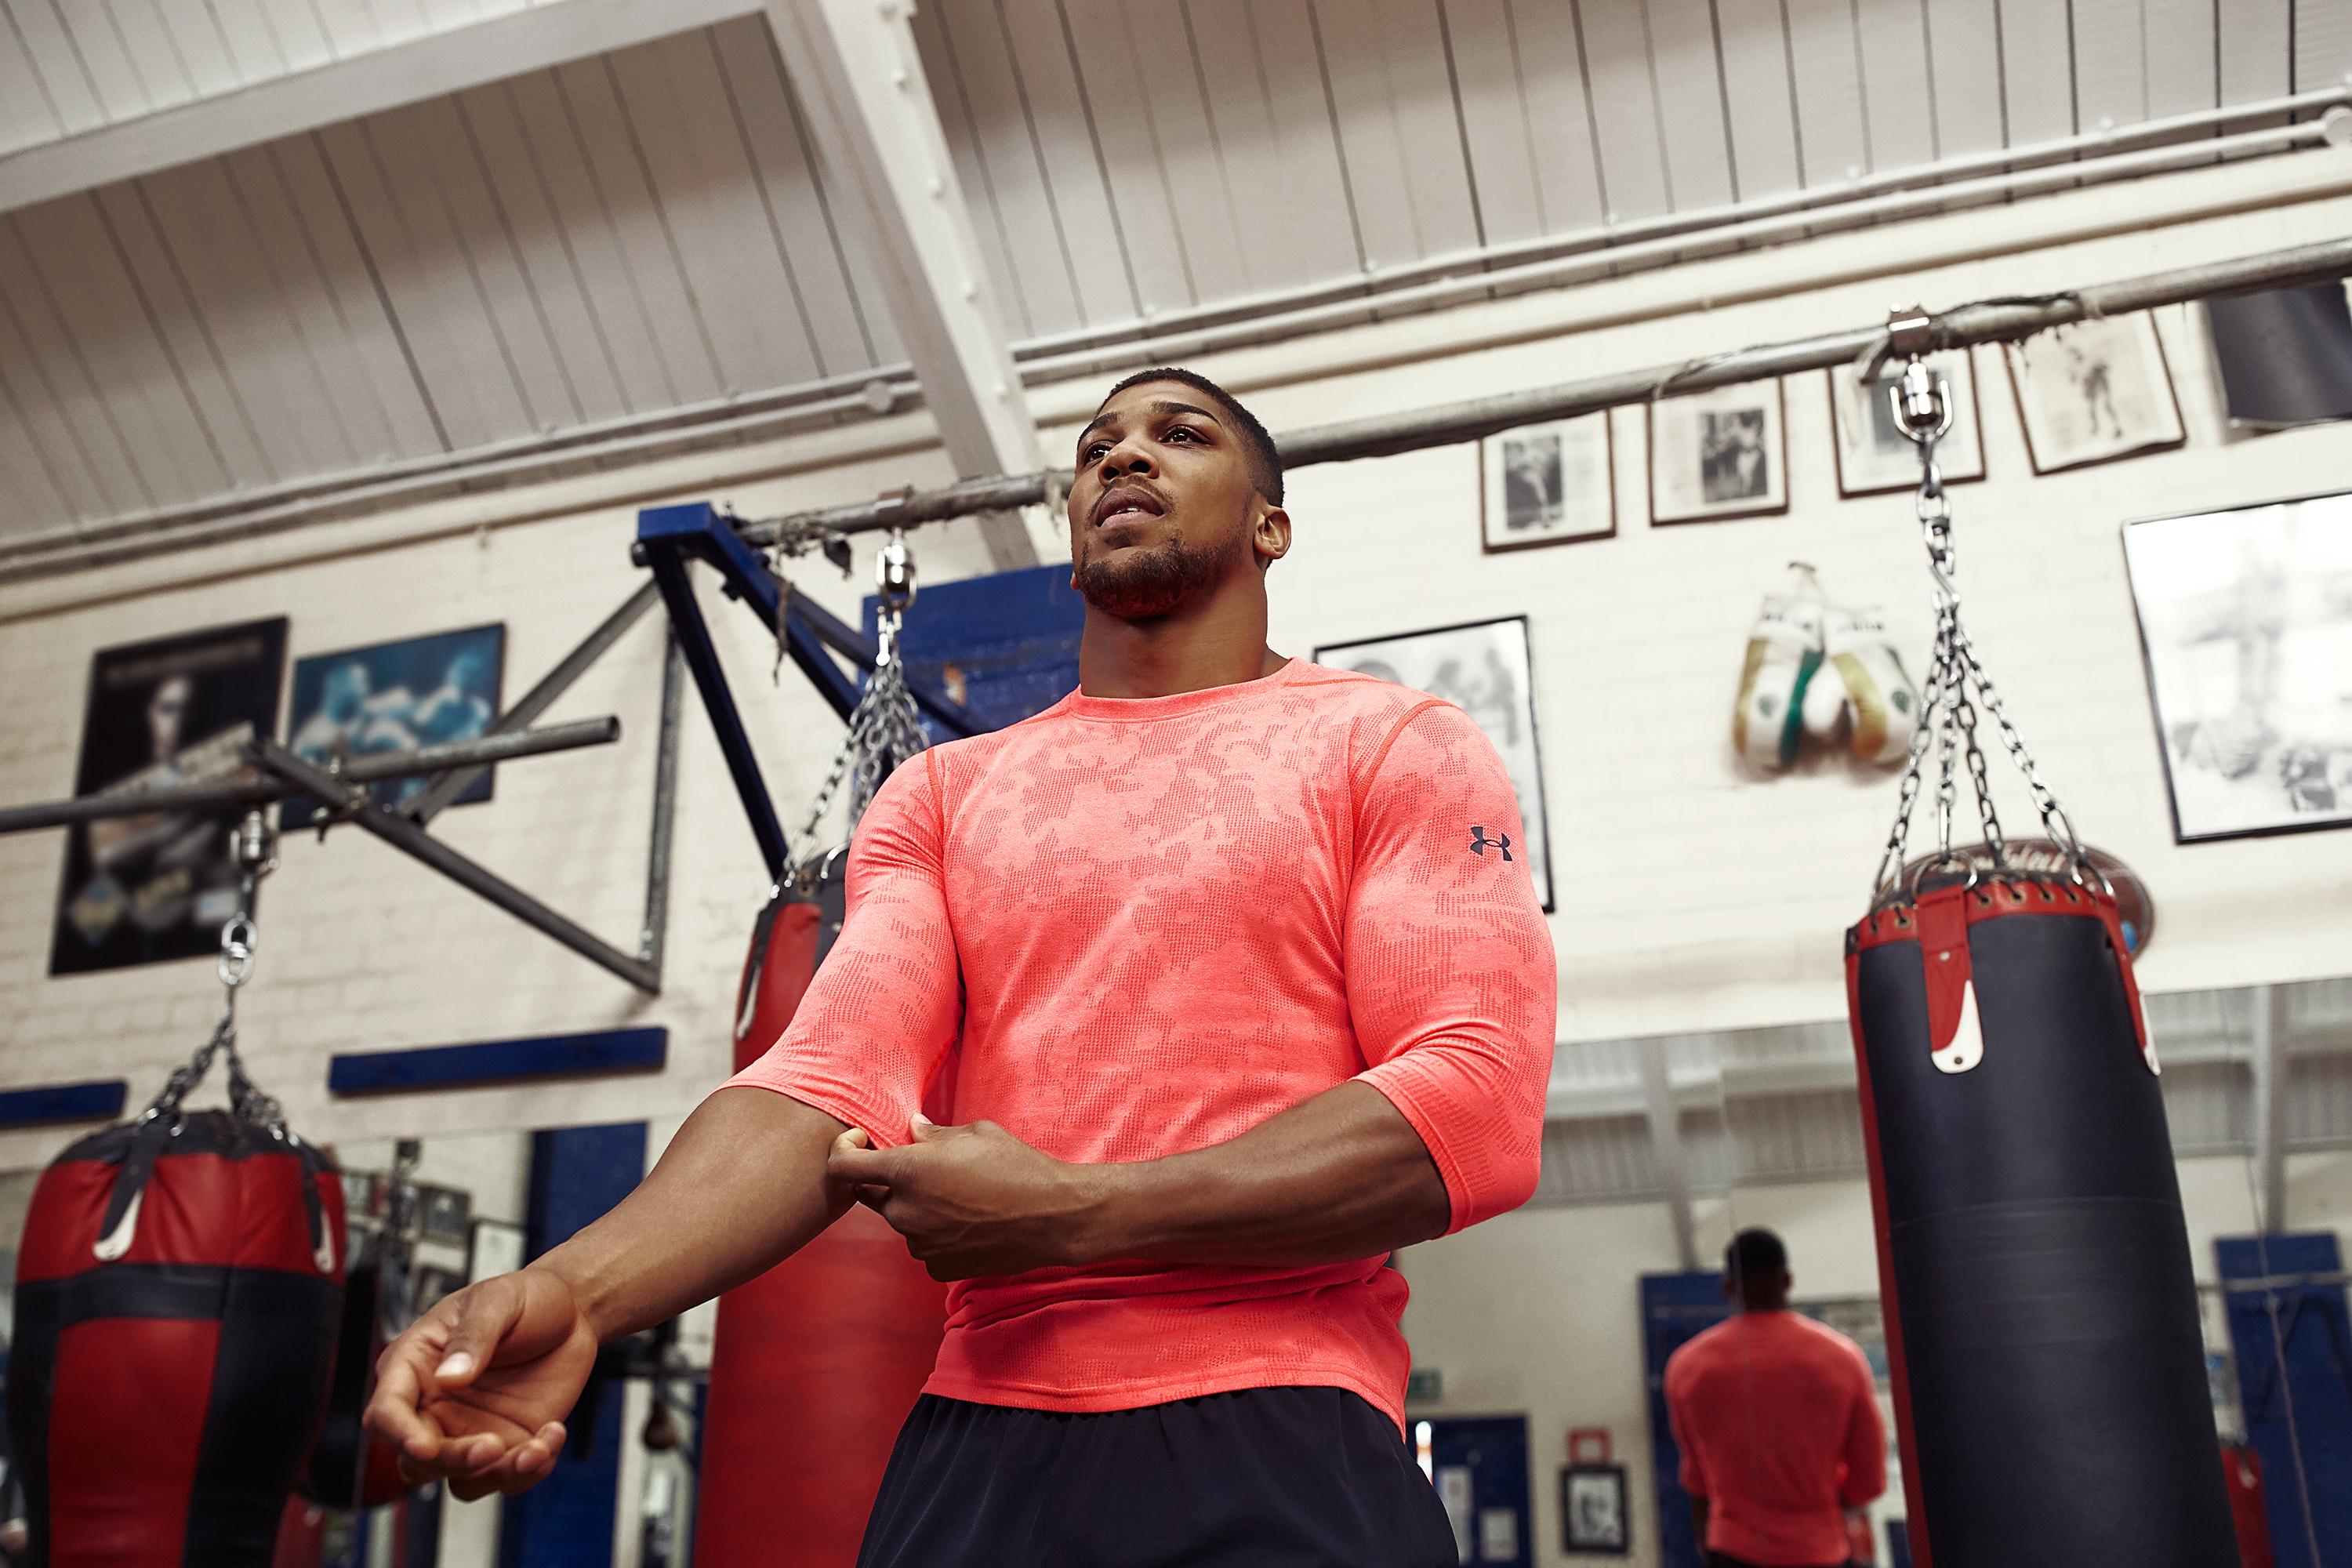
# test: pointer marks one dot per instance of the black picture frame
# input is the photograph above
(1522, 751)
(2260, 753)
(1602, 1528)
(1772, 500)
(173, 709)
(1493, 487)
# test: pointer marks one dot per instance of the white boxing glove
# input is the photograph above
(1882, 703)
(1784, 649)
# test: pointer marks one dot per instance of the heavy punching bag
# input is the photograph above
(2041, 1314)
(178, 1288)
(817, 1363)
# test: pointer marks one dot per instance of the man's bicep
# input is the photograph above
(1450, 972)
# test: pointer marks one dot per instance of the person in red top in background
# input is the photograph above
(1159, 1021)
(1777, 1416)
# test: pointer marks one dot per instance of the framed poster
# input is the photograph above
(1483, 669)
(180, 710)
(2094, 392)
(2245, 617)
(394, 697)
(1873, 456)
(1546, 484)
(1592, 1512)
(1719, 454)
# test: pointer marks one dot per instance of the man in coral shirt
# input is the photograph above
(1777, 1416)
(1159, 1021)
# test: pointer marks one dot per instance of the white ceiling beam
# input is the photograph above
(855, 68)
(410, 72)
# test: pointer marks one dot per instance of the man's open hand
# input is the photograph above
(974, 1200)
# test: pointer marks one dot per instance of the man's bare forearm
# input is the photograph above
(1342, 1176)
(741, 1188)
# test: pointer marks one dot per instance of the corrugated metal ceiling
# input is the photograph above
(608, 243)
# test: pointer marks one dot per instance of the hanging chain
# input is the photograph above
(884, 728)
(253, 845)
(1956, 682)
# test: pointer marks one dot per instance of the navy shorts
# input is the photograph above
(1265, 1478)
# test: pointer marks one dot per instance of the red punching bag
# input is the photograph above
(178, 1286)
(817, 1362)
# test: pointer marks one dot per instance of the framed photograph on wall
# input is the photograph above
(394, 697)
(1546, 484)
(178, 711)
(1719, 454)
(1594, 1516)
(2094, 392)
(2245, 617)
(1482, 668)
(1873, 456)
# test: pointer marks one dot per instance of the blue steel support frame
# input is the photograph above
(669, 538)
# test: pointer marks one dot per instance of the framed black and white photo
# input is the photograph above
(1592, 1512)
(2246, 619)
(1719, 454)
(1482, 668)
(1873, 456)
(2094, 392)
(1546, 484)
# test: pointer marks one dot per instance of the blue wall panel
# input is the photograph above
(2294, 1347)
(577, 1173)
(100, 1101)
(1011, 637)
(498, 1061)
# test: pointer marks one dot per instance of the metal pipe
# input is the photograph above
(437, 796)
(486, 750)
(1617, 260)
(402, 834)
(1450, 424)
(1369, 285)
(725, 723)
(889, 387)
(654, 935)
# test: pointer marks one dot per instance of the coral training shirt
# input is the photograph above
(1130, 928)
(1778, 1420)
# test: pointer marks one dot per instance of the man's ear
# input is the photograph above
(1270, 535)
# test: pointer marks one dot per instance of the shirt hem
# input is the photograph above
(1137, 1397)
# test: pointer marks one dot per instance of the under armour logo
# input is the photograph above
(1480, 842)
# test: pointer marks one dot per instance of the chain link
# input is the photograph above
(1947, 716)
(884, 730)
(254, 847)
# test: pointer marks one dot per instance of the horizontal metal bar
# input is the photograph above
(484, 749)
(402, 834)
(1451, 424)
(2083, 152)
(437, 796)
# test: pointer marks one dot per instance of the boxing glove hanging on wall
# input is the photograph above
(2041, 1315)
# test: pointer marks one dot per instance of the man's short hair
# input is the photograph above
(1266, 463)
(1754, 1256)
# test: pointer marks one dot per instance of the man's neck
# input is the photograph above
(1172, 655)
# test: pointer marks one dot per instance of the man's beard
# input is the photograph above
(1142, 584)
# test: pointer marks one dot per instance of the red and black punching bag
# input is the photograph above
(178, 1289)
(2041, 1312)
(817, 1363)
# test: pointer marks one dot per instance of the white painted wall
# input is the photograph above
(1691, 898)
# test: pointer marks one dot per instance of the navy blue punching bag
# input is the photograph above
(2041, 1314)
